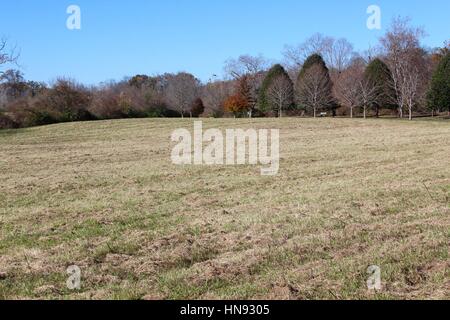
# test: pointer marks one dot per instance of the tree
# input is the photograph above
(404, 57)
(277, 91)
(280, 94)
(13, 84)
(439, 53)
(241, 102)
(380, 77)
(276, 85)
(314, 86)
(244, 90)
(439, 92)
(347, 89)
(182, 90)
(142, 81)
(197, 108)
(214, 95)
(235, 104)
(245, 65)
(36, 88)
(68, 100)
(368, 94)
(251, 67)
(410, 83)
(7, 56)
(337, 53)
(354, 89)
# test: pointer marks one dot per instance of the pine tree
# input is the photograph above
(314, 85)
(314, 59)
(276, 72)
(380, 77)
(439, 93)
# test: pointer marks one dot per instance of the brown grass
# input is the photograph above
(105, 196)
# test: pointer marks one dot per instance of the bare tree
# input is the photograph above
(7, 56)
(12, 84)
(182, 90)
(295, 56)
(251, 67)
(401, 45)
(245, 65)
(336, 53)
(214, 95)
(353, 89)
(280, 94)
(368, 94)
(369, 54)
(410, 83)
(314, 89)
(347, 89)
(341, 54)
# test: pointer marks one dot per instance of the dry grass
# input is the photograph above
(105, 196)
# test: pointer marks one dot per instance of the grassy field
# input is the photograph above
(106, 197)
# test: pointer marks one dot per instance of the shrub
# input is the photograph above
(197, 108)
(6, 122)
(27, 113)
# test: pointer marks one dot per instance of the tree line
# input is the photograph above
(321, 76)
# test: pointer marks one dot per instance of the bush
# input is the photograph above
(120, 101)
(26, 113)
(197, 108)
(67, 100)
(6, 122)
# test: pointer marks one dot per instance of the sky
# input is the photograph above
(122, 38)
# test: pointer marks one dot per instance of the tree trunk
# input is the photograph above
(351, 113)
(314, 112)
(365, 116)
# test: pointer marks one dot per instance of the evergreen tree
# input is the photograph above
(380, 77)
(314, 59)
(197, 108)
(314, 85)
(276, 72)
(439, 93)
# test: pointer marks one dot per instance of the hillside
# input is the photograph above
(105, 196)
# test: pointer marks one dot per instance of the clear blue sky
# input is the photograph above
(120, 38)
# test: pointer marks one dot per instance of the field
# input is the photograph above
(105, 196)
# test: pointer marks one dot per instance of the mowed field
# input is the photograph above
(105, 196)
